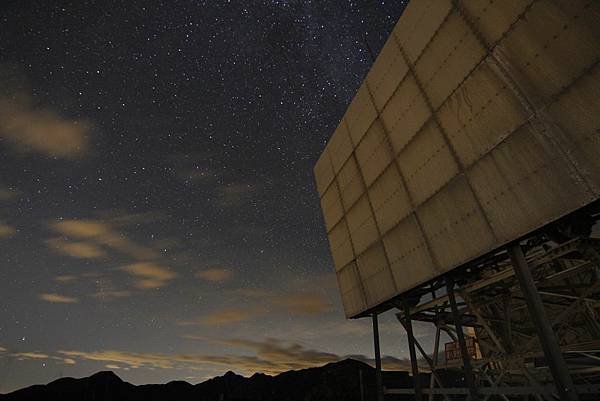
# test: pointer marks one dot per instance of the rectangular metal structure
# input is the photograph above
(477, 124)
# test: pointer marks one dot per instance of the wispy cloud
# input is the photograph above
(305, 303)
(102, 234)
(24, 356)
(31, 128)
(131, 359)
(107, 295)
(291, 302)
(215, 274)
(80, 249)
(8, 194)
(226, 316)
(149, 275)
(30, 355)
(57, 298)
(7, 231)
(235, 194)
(65, 278)
(271, 356)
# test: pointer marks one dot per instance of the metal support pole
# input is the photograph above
(558, 367)
(379, 383)
(436, 351)
(413, 354)
(361, 385)
(464, 352)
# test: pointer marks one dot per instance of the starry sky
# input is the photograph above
(158, 215)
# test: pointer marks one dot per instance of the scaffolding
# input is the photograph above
(532, 309)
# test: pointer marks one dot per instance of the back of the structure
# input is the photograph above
(477, 124)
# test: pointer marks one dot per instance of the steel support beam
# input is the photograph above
(378, 379)
(558, 367)
(414, 363)
(464, 352)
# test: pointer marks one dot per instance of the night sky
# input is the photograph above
(158, 215)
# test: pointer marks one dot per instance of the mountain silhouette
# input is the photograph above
(332, 382)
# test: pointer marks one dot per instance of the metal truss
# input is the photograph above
(534, 311)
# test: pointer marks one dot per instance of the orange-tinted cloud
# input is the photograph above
(232, 315)
(81, 249)
(215, 274)
(66, 278)
(57, 298)
(271, 356)
(23, 356)
(102, 233)
(30, 355)
(7, 231)
(293, 302)
(107, 295)
(41, 130)
(305, 303)
(8, 194)
(149, 275)
(132, 359)
(226, 316)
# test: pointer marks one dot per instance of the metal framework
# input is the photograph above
(534, 312)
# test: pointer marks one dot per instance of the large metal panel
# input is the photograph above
(419, 22)
(339, 147)
(427, 163)
(331, 205)
(387, 72)
(408, 253)
(523, 182)
(375, 274)
(453, 52)
(340, 245)
(351, 290)
(454, 225)
(350, 183)
(494, 21)
(373, 153)
(405, 113)
(324, 174)
(361, 225)
(478, 123)
(389, 199)
(559, 40)
(361, 113)
(576, 113)
(480, 114)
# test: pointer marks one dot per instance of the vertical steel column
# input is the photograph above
(558, 367)
(378, 381)
(464, 352)
(413, 354)
(436, 350)
(361, 385)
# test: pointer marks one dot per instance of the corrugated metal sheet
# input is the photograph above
(478, 123)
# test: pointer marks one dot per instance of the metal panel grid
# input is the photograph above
(470, 130)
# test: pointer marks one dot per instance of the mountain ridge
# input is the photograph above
(331, 382)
